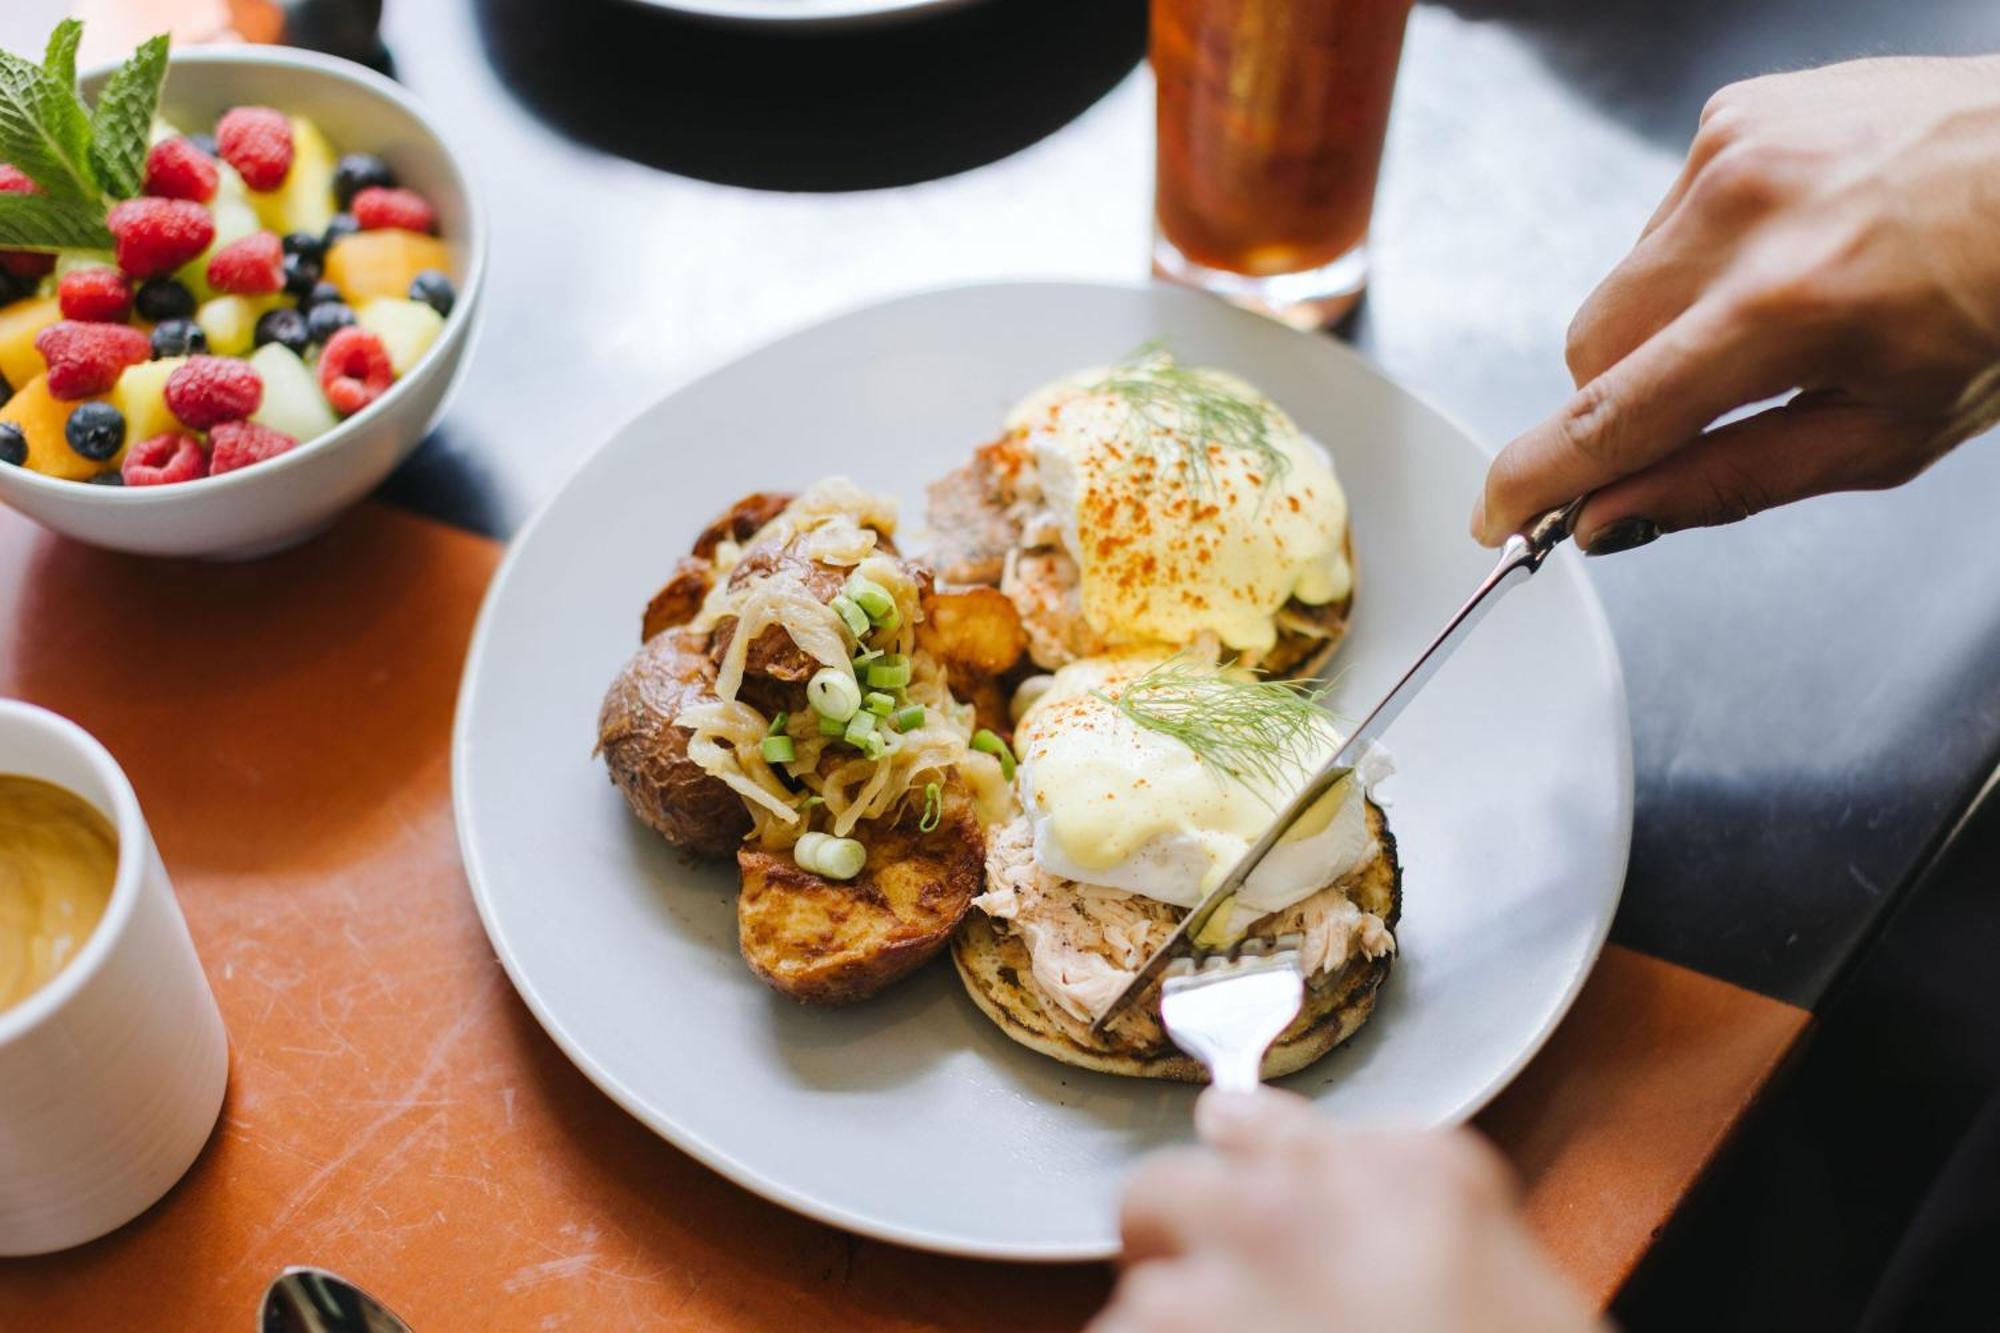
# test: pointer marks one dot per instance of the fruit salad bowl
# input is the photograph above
(284, 499)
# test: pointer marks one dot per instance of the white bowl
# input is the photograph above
(279, 503)
(112, 1074)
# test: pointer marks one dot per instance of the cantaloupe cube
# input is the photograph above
(304, 202)
(19, 323)
(407, 329)
(141, 394)
(41, 416)
(368, 264)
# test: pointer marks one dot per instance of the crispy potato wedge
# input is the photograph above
(647, 753)
(825, 941)
(976, 631)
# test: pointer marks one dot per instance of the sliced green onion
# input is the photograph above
(873, 599)
(833, 694)
(874, 746)
(835, 858)
(851, 615)
(881, 705)
(859, 726)
(812, 801)
(933, 807)
(779, 723)
(779, 750)
(832, 726)
(986, 742)
(908, 719)
(891, 673)
(890, 621)
(865, 656)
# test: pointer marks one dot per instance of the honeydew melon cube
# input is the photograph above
(292, 402)
(304, 202)
(230, 323)
(407, 329)
(234, 219)
(141, 395)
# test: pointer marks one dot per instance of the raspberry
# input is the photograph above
(163, 459)
(84, 359)
(257, 141)
(96, 295)
(176, 169)
(236, 444)
(21, 263)
(376, 208)
(251, 266)
(354, 370)
(157, 236)
(209, 390)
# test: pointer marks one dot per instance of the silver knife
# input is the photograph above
(1520, 557)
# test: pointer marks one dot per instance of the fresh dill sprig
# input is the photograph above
(1252, 729)
(1182, 413)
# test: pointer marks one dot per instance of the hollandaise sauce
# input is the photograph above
(58, 861)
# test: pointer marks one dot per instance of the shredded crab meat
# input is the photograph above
(1085, 943)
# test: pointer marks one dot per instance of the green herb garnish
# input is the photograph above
(1180, 414)
(933, 807)
(1249, 728)
(83, 159)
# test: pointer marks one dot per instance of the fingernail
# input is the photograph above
(1479, 520)
(1622, 535)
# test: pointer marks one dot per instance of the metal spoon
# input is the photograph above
(312, 1300)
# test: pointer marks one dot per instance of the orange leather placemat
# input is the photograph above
(396, 1115)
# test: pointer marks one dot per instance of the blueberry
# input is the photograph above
(321, 293)
(355, 172)
(284, 326)
(434, 290)
(343, 224)
(205, 142)
(108, 479)
(13, 444)
(304, 243)
(95, 430)
(163, 299)
(301, 274)
(326, 319)
(178, 337)
(14, 288)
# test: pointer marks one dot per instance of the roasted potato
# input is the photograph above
(647, 753)
(974, 631)
(827, 941)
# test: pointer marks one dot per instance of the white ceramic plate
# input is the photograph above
(798, 12)
(911, 1117)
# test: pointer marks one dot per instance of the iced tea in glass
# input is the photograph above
(1271, 120)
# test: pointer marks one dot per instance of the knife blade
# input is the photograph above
(1520, 557)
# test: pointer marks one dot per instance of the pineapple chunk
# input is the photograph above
(230, 323)
(304, 202)
(407, 329)
(368, 264)
(41, 416)
(141, 394)
(19, 323)
(292, 402)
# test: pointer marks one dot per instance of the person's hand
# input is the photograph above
(1288, 1222)
(1835, 231)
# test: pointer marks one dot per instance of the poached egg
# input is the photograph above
(1190, 502)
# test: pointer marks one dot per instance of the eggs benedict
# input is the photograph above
(1141, 782)
(1152, 503)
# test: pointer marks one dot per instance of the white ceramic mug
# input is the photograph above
(112, 1074)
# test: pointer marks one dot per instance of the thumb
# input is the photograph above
(1246, 1121)
(1812, 445)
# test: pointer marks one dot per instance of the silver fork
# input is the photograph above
(1225, 1009)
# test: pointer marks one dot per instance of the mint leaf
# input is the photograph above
(38, 222)
(44, 132)
(122, 124)
(60, 62)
